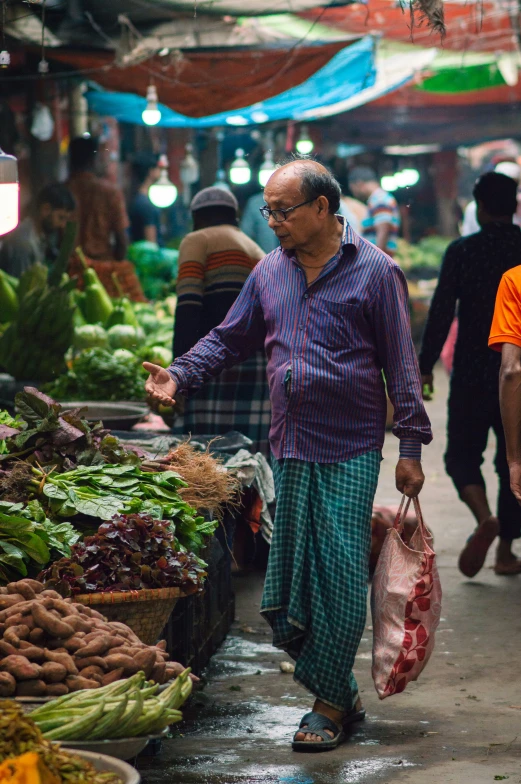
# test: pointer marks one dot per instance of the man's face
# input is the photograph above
(54, 219)
(283, 191)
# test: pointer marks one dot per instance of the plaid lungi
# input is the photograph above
(237, 399)
(316, 585)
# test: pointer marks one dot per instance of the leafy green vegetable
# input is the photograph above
(103, 491)
(97, 374)
(8, 427)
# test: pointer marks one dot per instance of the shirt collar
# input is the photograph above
(349, 237)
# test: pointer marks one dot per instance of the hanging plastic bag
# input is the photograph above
(405, 604)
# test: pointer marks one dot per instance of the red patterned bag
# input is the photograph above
(406, 605)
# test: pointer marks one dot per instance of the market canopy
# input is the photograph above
(350, 71)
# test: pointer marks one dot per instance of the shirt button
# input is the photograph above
(301, 326)
(306, 296)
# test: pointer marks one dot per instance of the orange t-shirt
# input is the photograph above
(506, 324)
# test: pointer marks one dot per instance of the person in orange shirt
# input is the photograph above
(101, 212)
(505, 336)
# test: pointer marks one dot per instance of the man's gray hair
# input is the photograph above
(362, 174)
(317, 183)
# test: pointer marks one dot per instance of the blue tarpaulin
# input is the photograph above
(351, 70)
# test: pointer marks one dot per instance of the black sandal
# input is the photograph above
(353, 716)
(317, 724)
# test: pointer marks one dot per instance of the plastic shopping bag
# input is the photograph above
(406, 605)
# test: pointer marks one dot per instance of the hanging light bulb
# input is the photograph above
(189, 173)
(8, 193)
(267, 168)
(151, 115)
(163, 193)
(305, 145)
(240, 172)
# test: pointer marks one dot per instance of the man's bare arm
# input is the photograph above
(510, 400)
(383, 231)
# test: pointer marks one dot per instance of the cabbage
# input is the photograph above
(90, 336)
(123, 353)
(124, 336)
(158, 355)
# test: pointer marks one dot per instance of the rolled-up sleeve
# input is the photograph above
(390, 313)
(241, 334)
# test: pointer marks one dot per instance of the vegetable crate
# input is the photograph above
(145, 612)
(200, 623)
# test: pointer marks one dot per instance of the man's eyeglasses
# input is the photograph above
(281, 215)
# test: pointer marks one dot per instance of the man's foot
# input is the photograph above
(506, 562)
(475, 551)
(331, 713)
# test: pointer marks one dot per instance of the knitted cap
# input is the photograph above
(214, 197)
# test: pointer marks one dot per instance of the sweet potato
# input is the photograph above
(112, 676)
(64, 607)
(79, 623)
(20, 667)
(18, 619)
(45, 620)
(16, 633)
(161, 645)
(117, 641)
(32, 688)
(93, 673)
(95, 647)
(6, 649)
(3, 590)
(57, 689)
(97, 615)
(126, 650)
(23, 588)
(75, 683)
(52, 672)
(62, 658)
(117, 660)
(36, 585)
(146, 661)
(84, 610)
(7, 684)
(159, 673)
(9, 600)
(36, 635)
(73, 644)
(20, 608)
(91, 661)
(48, 593)
(32, 652)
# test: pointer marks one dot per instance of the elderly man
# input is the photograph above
(331, 311)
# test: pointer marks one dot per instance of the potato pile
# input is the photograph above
(51, 646)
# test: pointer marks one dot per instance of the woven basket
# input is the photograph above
(146, 611)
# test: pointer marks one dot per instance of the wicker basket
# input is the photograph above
(146, 611)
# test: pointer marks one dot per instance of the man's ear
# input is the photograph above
(323, 206)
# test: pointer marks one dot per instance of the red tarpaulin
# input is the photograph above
(470, 26)
(202, 83)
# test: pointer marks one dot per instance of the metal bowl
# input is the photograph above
(120, 748)
(106, 764)
(115, 416)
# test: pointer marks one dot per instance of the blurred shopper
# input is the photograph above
(382, 222)
(331, 311)
(254, 225)
(37, 237)
(470, 223)
(145, 217)
(505, 336)
(215, 260)
(101, 212)
(354, 211)
(470, 275)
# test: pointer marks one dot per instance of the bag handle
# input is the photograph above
(402, 513)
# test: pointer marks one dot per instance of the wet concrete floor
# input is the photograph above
(461, 722)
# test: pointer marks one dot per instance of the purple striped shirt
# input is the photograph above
(327, 344)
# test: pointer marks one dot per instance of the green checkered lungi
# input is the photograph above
(315, 592)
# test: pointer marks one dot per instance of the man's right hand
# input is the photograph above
(160, 386)
(427, 386)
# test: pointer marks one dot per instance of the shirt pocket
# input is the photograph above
(338, 324)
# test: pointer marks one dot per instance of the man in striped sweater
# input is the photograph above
(331, 310)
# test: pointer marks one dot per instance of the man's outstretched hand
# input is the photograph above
(160, 386)
(409, 477)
